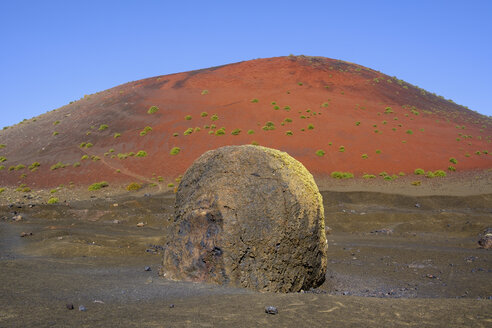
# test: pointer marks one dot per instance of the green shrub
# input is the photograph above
(383, 174)
(98, 185)
(103, 127)
(76, 164)
(250, 132)
(254, 100)
(325, 104)
(95, 158)
(146, 130)
(2, 190)
(368, 176)
(365, 156)
(214, 117)
(2, 146)
(357, 123)
(299, 83)
(409, 132)
(84, 157)
(453, 160)
(19, 167)
(416, 183)
(254, 143)
(133, 186)
(52, 191)
(153, 110)
(273, 103)
(55, 133)
(88, 145)
(204, 92)
(175, 151)
(220, 132)
(170, 185)
(439, 173)
(269, 126)
(388, 110)
(320, 152)
(289, 133)
(2, 167)
(276, 107)
(3, 159)
(287, 108)
(34, 166)
(175, 134)
(430, 174)
(342, 175)
(56, 122)
(204, 114)
(310, 127)
(188, 131)
(451, 168)
(53, 200)
(141, 153)
(341, 149)
(188, 117)
(419, 172)
(117, 135)
(235, 132)
(288, 120)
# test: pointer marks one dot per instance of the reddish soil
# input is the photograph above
(420, 130)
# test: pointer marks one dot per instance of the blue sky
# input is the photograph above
(53, 52)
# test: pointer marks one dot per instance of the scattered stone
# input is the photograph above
(69, 306)
(417, 205)
(25, 234)
(59, 238)
(171, 306)
(271, 310)
(385, 231)
(98, 301)
(328, 230)
(140, 224)
(431, 276)
(115, 205)
(486, 239)
(154, 249)
(82, 308)
(17, 218)
(146, 195)
(265, 232)
(147, 268)
(116, 221)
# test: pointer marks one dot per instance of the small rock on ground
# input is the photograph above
(271, 310)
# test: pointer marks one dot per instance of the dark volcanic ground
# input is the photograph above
(393, 261)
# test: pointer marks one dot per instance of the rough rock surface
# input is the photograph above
(248, 216)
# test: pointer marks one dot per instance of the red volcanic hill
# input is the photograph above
(329, 114)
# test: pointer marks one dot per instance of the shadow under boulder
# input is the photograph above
(248, 216)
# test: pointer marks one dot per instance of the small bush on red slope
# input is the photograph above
(133, 186)
(235, 132)
(320, 152)
(342, 175)
(153, 110)
(175, 151)
(98, 185)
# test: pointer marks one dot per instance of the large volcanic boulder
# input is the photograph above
(248, 216)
